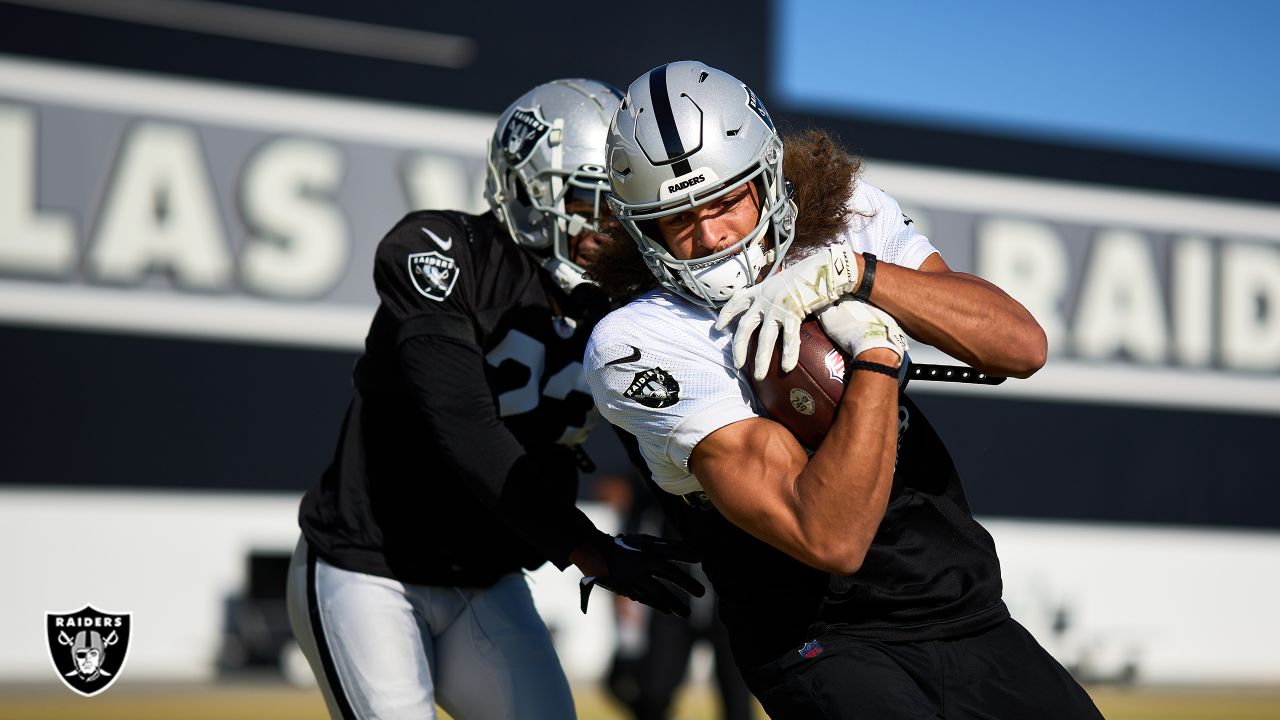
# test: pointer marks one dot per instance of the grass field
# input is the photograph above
(279, 702)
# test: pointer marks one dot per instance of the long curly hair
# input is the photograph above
(823, 174)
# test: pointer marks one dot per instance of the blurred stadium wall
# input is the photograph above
(190, 193)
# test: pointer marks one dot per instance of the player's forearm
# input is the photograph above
(533, 490)
(965, 317)
(842, 492)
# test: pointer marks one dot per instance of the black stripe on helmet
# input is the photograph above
(666, 120)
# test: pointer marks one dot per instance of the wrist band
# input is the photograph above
(863, 292)
(876, 367)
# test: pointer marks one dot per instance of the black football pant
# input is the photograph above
(999, 674)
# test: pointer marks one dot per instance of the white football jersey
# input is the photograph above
(660, 370)
(879, 226)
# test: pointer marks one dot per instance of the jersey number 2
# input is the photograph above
(531, 353)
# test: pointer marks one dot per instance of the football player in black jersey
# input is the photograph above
(456, 467)
(854, 580)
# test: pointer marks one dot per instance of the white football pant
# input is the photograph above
(381, 648)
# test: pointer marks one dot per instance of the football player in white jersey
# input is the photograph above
(853, 577)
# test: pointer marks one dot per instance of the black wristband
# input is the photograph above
(876, 367)
(863, 292)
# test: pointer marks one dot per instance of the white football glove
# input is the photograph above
(783, 300)
(858, 327)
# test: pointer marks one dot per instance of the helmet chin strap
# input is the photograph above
(565, 276)
(577, 224)
(719, 282)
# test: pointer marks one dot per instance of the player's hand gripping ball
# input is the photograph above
(805, 400)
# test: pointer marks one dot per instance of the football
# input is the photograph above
(804, 400)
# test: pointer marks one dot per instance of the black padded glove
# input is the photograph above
(636, 562)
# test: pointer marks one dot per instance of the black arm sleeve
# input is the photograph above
(534, 493)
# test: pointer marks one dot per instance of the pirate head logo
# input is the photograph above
(654, 388)
(433, 274)
(88, 647)
(521, 134)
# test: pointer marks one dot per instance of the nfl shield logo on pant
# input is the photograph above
(88, 647)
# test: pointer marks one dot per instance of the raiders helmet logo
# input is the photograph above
(654, 388)
(433, 274)
(753, 102)
(88, 647)
(521, 135)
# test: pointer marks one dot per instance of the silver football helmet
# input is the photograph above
(686, 135)
(548, 147)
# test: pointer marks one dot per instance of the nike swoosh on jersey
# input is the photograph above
(444, 244)
(628, 358)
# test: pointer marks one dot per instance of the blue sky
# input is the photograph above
(1197, 78)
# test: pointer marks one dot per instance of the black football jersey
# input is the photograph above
(931, 571)
(469, 370)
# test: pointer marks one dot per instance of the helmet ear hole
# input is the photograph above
(522, 193)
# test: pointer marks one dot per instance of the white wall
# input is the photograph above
(1183, 605)
(171, 559)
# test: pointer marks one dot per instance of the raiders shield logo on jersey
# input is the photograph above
(654, 388)
(88, 647)
(433, 274)
(521, 135)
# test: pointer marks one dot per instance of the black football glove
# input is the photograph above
(636, 562)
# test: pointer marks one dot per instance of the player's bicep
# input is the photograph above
(748, 470)
(935, 263)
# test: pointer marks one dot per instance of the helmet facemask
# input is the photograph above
(685, 136)
(713, 279)
(536, 166)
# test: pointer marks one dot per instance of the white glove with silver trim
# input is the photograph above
(779, 304)
(857, 327)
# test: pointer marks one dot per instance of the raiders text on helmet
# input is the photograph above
(547, 147)
(686, 135)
